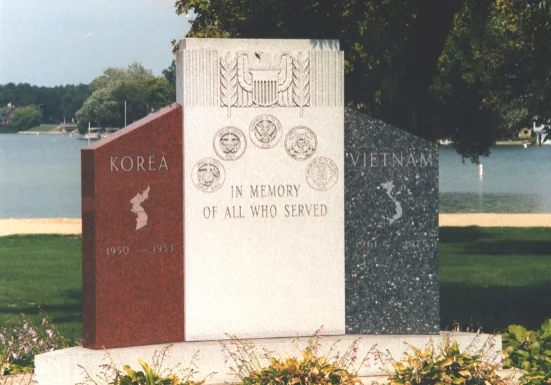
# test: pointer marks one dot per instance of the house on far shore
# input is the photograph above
(68, 127)
(525, 133)
(5, 114)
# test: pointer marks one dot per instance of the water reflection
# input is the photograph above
(491, 203)
(40, 177)
(515, 180)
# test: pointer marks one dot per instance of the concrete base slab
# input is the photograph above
(62, 367)
(510, 376)
(18, 379)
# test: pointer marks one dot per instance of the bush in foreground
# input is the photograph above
(445, 365)
(311, 368)
(150, 375)
(529, 351)
(20, 343)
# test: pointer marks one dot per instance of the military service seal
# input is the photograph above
(208, 175)
(265, 131)
(322, 174)
(230, 143)
(301, 143)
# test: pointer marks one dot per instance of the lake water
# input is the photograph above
(40, 178)
(515, 180)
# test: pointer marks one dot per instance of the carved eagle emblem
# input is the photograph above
(264, 79)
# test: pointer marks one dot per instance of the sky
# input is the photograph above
(57, 42)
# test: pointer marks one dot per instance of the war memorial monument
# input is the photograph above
(255, 206)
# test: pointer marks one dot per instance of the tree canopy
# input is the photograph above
(135, 85)
(57, 103)
(26, 117)
(468, 70)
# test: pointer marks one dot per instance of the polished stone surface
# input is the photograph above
(132, 234)
(391, 217)
(264, 180)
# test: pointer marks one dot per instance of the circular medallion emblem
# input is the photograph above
(265, 131)
(301, 143)
(230, 143)
(208, 175)
(322, 173)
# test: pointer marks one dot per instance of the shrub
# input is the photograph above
(26, 117)
(445, 366)
(20, 343)
(155, 375)
(529, 351)
(255, 368)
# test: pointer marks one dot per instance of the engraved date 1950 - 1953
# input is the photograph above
(156, 249)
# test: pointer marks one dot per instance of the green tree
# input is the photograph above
(72, 99)
(113, 75)
(56, 103)
(472, 70)
(110, 76)
(170, 76)
(136, 86)
(392, 46)
(100, 108)
(24, 118)
(492, 75)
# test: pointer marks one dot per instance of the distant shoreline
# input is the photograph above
(513, 143)
(74, 225)
(497, 143)
(43, 133)
(494, 220)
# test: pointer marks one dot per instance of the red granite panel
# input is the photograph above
(133, 273)
(88, 247)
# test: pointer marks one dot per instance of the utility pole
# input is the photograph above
(125, 113)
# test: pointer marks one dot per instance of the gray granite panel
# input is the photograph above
(391, 229)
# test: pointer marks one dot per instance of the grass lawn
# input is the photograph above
(493, 277)
(490, 277)
(42, 272)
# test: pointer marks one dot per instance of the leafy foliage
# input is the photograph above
(100, 107)
(469, 70)
(308, 370)
(150, 375)
(20, 343)
(26, 117)
(385, 42)
(145, 377)
(493, 61)
(57, 103)
(446, 366)
(135, 85)
(170, 76)
(529, 351)
(255, 368)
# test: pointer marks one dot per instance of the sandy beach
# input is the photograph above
(40, 226)
(74, 226)
(495, 220)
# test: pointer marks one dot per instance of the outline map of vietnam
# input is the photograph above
(389, 186)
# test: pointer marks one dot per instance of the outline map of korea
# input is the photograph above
(141, 216)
